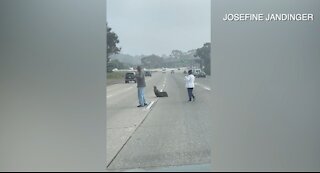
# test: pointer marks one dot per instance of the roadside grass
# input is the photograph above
(115, 77)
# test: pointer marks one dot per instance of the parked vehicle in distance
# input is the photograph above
(201, 74)
(196, 71)
(147, 73)
(130, 76)
(172, 71)
(164, 70)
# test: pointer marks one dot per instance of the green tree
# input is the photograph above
(112, 41)
(204, 54)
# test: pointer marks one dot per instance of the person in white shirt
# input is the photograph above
(190, 84)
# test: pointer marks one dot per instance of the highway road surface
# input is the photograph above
(168, 134)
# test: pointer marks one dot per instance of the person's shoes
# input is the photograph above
(139, 106)
(145, 104)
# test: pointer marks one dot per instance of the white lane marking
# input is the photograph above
(203, 86)
(164, 83)
(149, 106)
(163, 86)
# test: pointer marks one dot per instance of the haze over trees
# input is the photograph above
(152, 61)
(176, 54)
(176, 59)
(199, 57)
(128, 59)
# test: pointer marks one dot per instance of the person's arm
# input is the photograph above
(192, 79)
(187, 78)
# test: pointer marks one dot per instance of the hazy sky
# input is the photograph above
(159, 26)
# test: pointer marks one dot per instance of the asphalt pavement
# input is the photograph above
(171, 133)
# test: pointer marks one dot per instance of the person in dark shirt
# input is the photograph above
(141, 84)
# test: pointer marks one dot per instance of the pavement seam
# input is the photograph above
(131, 135)
(146, 168)
(121, 127)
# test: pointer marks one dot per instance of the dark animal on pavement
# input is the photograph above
(158, 93)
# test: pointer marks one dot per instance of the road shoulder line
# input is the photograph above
(149, 110)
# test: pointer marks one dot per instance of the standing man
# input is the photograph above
(190, 85)
(141, 84)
